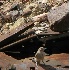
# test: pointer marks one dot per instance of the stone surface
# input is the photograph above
(52, 62)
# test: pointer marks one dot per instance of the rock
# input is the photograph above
(38, 31)
(0, 25)
(36, 23)
(27, 12)
(1, 3)
(59, 17)
(39, 18)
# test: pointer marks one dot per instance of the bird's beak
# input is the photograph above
(45, 48)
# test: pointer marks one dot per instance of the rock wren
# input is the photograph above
(39, 56)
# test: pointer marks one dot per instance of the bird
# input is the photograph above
(39, 56)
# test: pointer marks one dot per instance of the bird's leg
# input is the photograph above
(43, 62)
(35, 60)
(38, 62)
(36, 65)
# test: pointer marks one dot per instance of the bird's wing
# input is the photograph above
(38, 55)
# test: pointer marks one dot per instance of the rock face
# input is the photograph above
(26, 25)
(41, 17)
(58, 12)
(36, 11)
(62, 25)
(59, 18)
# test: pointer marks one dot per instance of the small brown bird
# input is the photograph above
(39, 56)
